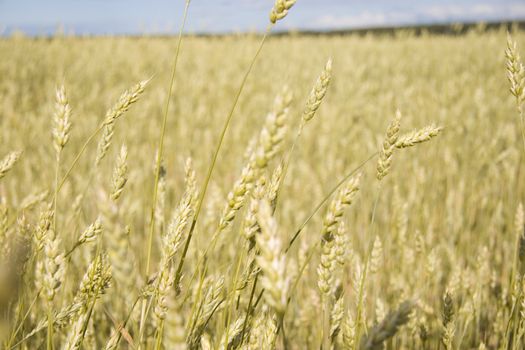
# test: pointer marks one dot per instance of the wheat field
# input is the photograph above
(367, 192)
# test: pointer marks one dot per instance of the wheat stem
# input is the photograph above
(158, 165)
(326, 198)
(200, 201)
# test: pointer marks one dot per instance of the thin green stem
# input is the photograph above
(119, 329)
(372, 220)
(162, 136)
(326, 323)
(146, 307)
(73, 248)
(360, 307)
(55, 199)
(325, 199)
(522, 128)
(158, 164)
(15, 333)
(86, 321)
(77, 158)
(50, 306)
(365, 270)
(286, 161)
(280, 329)
(196, 309)
(178, 274)
(250, 307)
(50, 326)
(233, 289)
(160, 331)
(520, 112)
(301, 271)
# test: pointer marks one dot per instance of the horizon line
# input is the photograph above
(61, 31)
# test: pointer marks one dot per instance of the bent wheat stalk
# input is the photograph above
(313, 103)
(200, 201)
(278, 12)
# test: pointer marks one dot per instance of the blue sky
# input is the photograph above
(163, 16)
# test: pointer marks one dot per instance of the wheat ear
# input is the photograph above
(125, 101)
(418, 136)
(515, 71)
(388, 327)
(318, 92)
(120, 174)
(389, 144)
(271, 260)
(9, 162)
(280, 9)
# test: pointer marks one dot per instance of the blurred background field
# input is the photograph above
(458, 82)
(445, 215)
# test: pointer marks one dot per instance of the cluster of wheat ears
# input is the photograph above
(310, 245)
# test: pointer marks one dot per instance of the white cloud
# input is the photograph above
(364, 19)
(481, 10)
(435, 13)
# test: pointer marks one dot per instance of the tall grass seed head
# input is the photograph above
(280, 9)
(318, 92)
(62, 120)
(9, 162)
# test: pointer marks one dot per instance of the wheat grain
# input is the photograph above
(166, 279)
(62, 120)
(348, 331)
(388, 327)
(318, 92)
(418, 136)
(9, 162)
(385, 154)
(329, 249)
(376, 257)
(91, 233)
(274, 130)
(50, 271)
(207, 306)
(280, 9)
(250, 226)
(448, 321)
(336, 318)
(237, 196)
(125, 101)
(120, 174)
(271, 260)
(515, 71)
(341, 244)
(263, 333)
